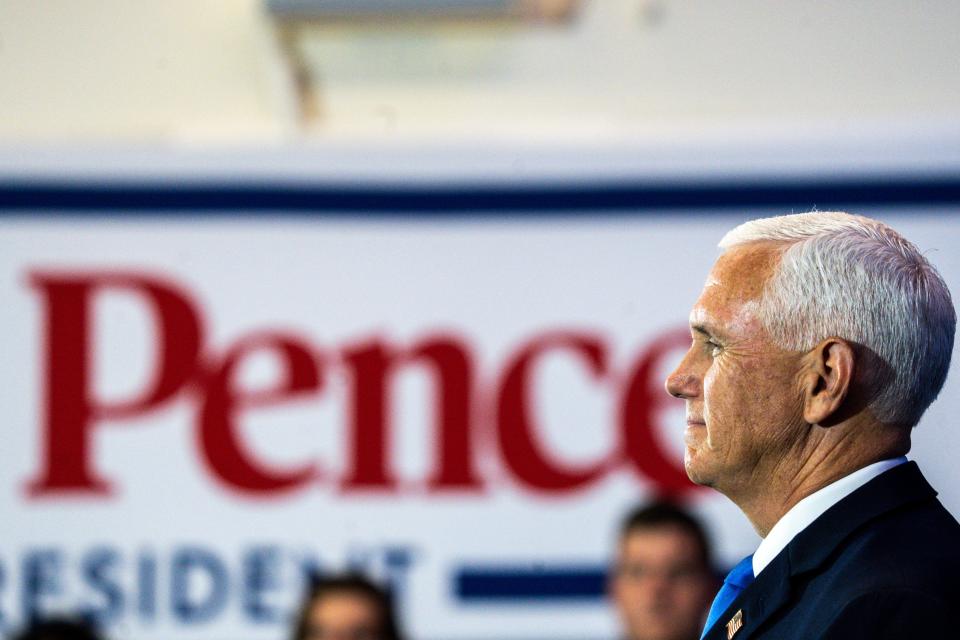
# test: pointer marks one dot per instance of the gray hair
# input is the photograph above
(851, 277)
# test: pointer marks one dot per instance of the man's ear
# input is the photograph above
(827, 380)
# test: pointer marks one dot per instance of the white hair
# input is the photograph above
(851, 277)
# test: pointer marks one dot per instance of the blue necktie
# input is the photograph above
(736, 581)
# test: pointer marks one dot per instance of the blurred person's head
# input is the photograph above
(346, 607)
(58, 629)
(662, 582)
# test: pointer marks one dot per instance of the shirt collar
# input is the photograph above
(802, 514)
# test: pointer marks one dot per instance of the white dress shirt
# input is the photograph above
(812, 507)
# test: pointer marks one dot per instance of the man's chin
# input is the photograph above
(694, 467)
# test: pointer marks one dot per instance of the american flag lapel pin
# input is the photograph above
(735, 623)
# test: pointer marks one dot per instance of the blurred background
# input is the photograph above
(301, 285)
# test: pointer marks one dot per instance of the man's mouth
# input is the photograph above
(693, 434)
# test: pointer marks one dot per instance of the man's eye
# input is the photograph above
(714, 348)
(633, 572)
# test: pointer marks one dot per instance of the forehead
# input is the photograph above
(737, 278)
(343, 606)
(661, 542)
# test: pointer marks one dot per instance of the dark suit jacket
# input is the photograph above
(884, 562)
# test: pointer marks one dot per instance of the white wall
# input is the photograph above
(95, 69)
(201, 70)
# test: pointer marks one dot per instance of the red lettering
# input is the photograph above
(70, 410)
(369, 366)
(515, 428)
(222, 449)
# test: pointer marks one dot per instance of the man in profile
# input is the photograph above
(818, 342)
(662, 582)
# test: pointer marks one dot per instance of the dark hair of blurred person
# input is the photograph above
(346, 607)
(58, 629)
(663, 580)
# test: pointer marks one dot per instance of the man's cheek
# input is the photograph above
(710, 395)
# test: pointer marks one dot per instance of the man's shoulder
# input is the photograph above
(916, 547)
(924, 525)
(893, 520)
(894, 533)
(885, 553)
(898, 577)
(895, 575)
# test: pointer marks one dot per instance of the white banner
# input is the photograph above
(204, 403)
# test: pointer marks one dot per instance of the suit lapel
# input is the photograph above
(768, 593)
(812, 547)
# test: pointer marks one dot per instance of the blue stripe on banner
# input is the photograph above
(71, 198)
(525, 583)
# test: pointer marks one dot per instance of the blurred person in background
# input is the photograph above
(663, 582)
(346, 607)
(58, 629)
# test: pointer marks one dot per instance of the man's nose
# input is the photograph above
(681, 384)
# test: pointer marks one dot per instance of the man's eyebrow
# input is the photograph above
(701, 328)
(706, 330)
